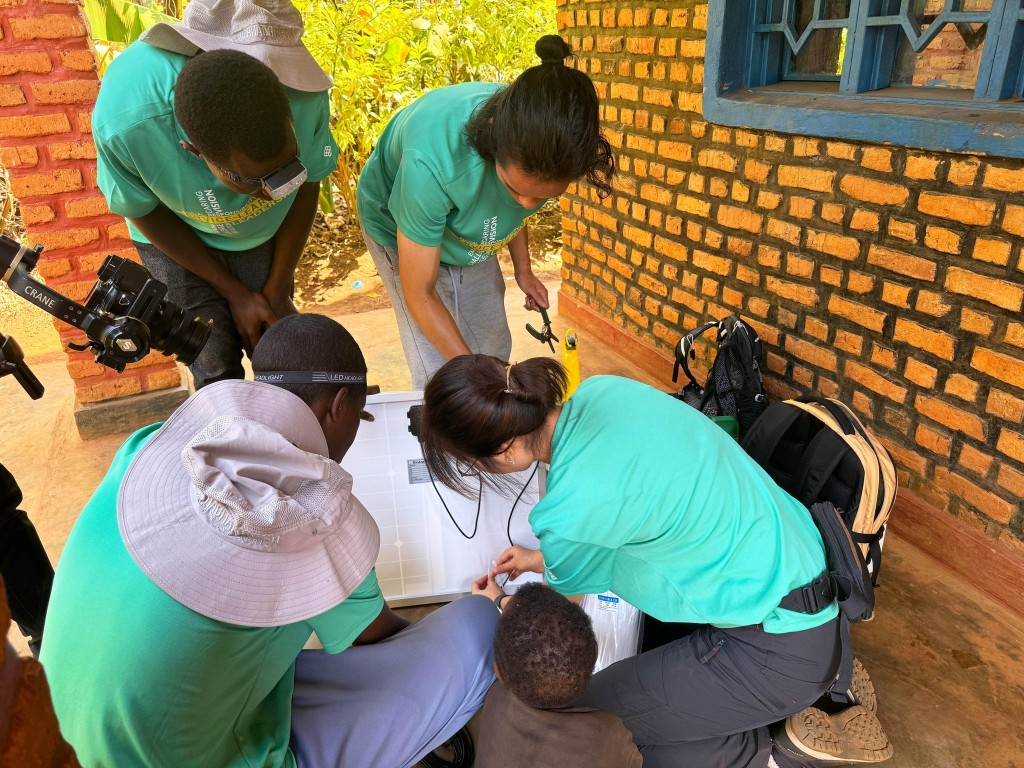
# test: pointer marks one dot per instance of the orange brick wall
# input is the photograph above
(888, 277)
(48, 86)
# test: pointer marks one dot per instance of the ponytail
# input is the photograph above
(476, 404)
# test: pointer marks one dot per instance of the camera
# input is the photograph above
(124, 316)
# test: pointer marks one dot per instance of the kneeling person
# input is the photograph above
(216, 544)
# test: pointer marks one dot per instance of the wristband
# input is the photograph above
(498, 599)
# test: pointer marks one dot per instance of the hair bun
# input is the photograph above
(552, 49)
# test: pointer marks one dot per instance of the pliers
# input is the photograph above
(544, 335)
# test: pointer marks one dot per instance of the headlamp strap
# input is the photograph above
(309, 377)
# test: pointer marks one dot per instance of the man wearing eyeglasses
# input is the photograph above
(212, 138)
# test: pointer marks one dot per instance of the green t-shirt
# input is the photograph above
(425, 180)
(138, 679)
(140, 163)
(647, 497)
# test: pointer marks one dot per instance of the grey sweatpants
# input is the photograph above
(706, 700)
(388, 704)
(221, 358)
(475, 297)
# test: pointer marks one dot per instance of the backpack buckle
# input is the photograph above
(811, 598)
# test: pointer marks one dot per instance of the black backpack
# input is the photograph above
(733, 386)
(818, 451)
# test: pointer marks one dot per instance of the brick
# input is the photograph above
(80, 61)
(962, 387)
(754, 170)
(840, 246)
(798, 266)
(1011, 444)
(942, 239)
(812, 353)
(801, 207)
(833, 212)
(871, 191)
(849, 342)
(49, 26)
(982, 499)
(949, 416)
(66, 91)
(865, 220)
(966, 210)
(904, 230)
(739, 218)
(11, 95)
(719, 187)
(841, 150)
(83, 207)
(717, 159)
(640, 45)
(991, 250)
(774, 143)
(34, 62)
(648, 283)
(66, 237)
(740, 192)
(110, 389)
(641, 237)
(1009, 370)
(976, 322)
(675, 150)
(932, 303)
(884, 357)
(658, 96)
(896, 294)
(858, 282)
(24, 126)
(33, 215)
(931, 440)
(877, 159)
(874, 381)
(1001, 293)
(921, 167)
(18, 157)
(716, 264)
(975, 460)
(1015, 334)
(83, 369)
(813, 179)
(1013, 220)
(901, 263)
(1004, 179)
(46, 183)
(963, 172)
(921, 374)
(911, 460)
(830, 275)
(802, 294)
(1011, 480)
(806, 147)
(861, 314)
(768, 200)
(693, 205)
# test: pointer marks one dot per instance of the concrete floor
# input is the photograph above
(946, 660)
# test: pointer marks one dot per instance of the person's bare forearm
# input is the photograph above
(180, 242)
(386, 624)
(290, 241)
(519, 250)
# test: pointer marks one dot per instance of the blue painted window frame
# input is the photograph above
(746, 63)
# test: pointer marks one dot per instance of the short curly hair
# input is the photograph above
(228, 101)
(545, 648)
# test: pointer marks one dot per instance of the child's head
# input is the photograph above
(544, 648)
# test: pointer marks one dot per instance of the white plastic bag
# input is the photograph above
(617, 626)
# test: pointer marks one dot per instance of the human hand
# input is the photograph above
(281, 303)
(536, 292)
(371, 389)
(518, 560)
(252, 315)
(487, 587)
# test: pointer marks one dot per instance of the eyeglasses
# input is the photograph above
(279, 183)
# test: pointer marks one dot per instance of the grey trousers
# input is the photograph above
(475, 297)
(221, 358)
(388, 704)
(706, 700)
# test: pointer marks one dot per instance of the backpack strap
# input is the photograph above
(684, 349)
(767, 431)
(820, 458)
(839, 414)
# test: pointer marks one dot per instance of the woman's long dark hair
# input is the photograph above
(546, 123)
(476, 404)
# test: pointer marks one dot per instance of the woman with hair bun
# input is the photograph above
(453, 179)
(648, 498)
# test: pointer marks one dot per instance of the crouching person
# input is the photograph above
(544, 654)
(216, 544)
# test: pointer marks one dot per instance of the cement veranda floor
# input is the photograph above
(946, 660)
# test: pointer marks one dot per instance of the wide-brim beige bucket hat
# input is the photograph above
(268, 30)
(235, 510)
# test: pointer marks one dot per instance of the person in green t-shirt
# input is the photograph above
(212, 137)
(648, 498)
(215, 546)
(454, 178)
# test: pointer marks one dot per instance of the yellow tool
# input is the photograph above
(571, 361)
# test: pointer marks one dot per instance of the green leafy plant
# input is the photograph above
(116, 24)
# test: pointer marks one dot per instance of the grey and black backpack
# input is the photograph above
(733, 386)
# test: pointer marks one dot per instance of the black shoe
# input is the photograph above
(816, 739)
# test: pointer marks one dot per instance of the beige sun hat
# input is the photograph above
(268, 30)
(234, 509)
